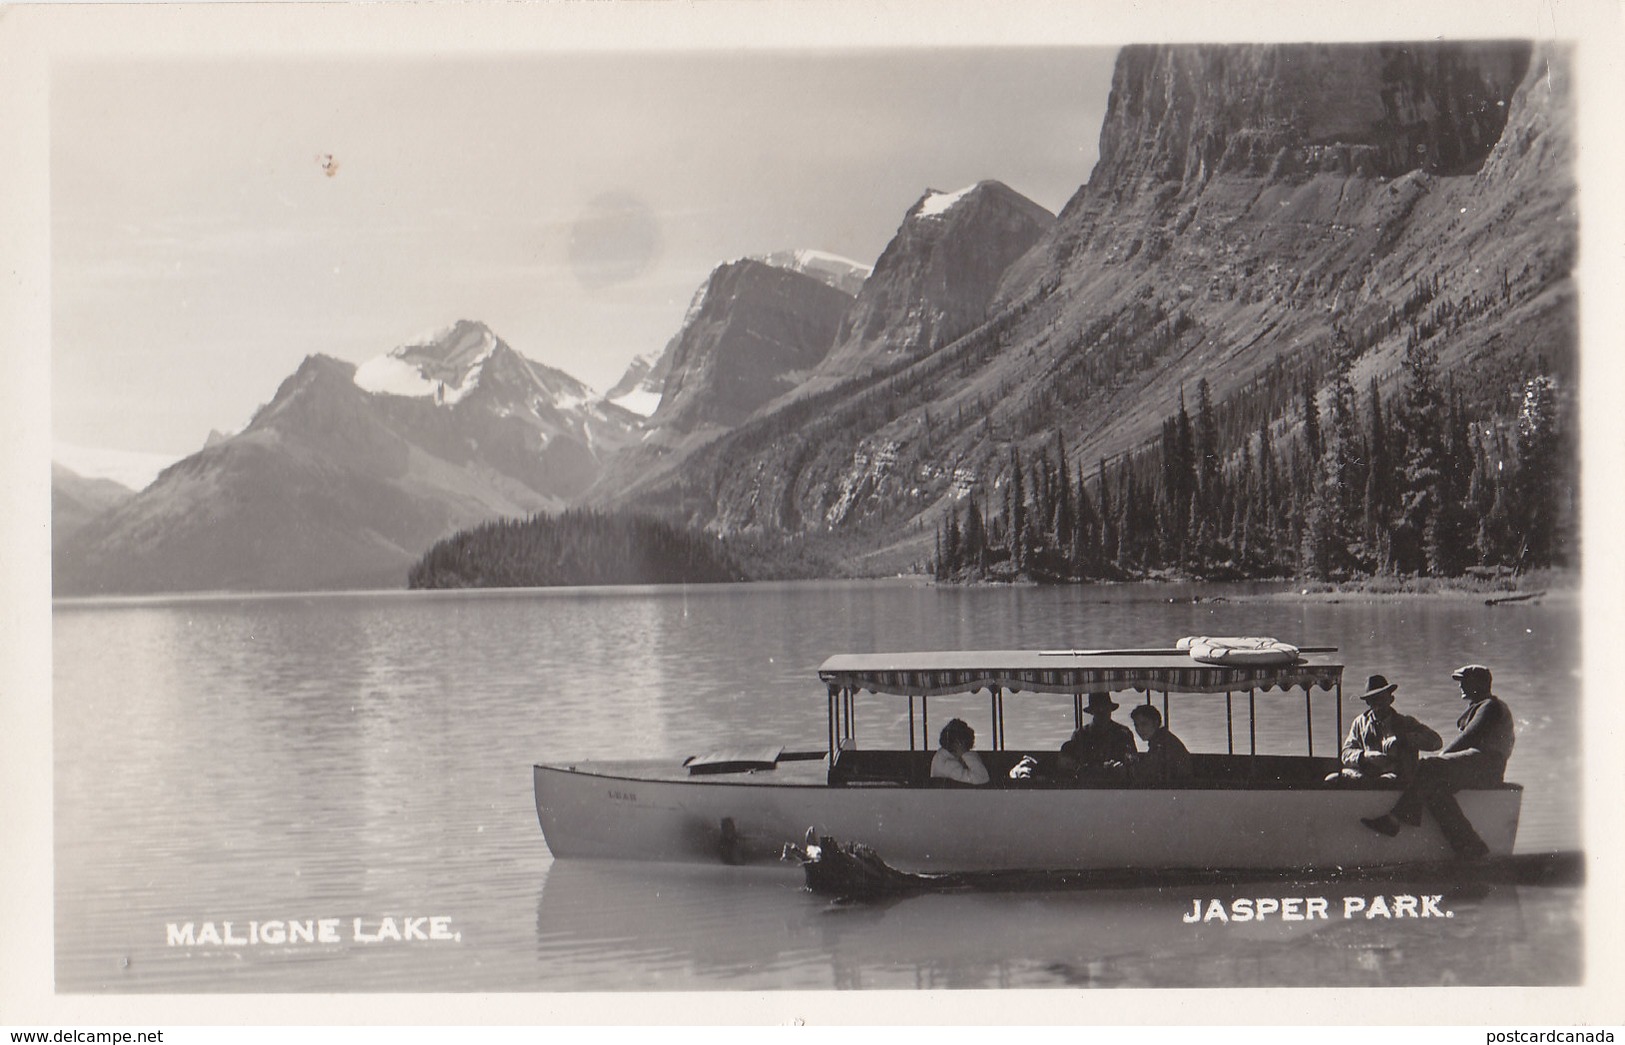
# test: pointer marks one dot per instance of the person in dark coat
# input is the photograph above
(1476, 758)
(1166, 759)
(1101, 743)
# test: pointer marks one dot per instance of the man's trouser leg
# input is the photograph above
(1433, 787)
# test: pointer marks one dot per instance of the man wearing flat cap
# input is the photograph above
(1383, 744)
(1476, 758)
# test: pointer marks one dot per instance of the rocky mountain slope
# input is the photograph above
(76, 499)
(729, 363)
(936, 277)
(753, 333)
(348, 474)
(641, 387)
(1252, 208)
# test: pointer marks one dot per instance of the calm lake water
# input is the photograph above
(367, 756)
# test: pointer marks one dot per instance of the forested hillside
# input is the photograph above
(1419, 485)
(573, 548)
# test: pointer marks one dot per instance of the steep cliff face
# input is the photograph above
(1253, 208)
(936, 277)
(1181, 115)
(754, 332)
(1249, 200)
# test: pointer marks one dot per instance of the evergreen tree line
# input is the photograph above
(579, 546)
(1358, 486)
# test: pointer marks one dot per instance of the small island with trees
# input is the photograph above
(575, 547)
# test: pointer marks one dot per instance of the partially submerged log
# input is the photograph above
(1520, 597)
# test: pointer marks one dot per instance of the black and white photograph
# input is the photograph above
(571, 502)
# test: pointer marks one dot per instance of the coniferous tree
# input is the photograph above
(1085, 533)
(973, 536)
(1267, 511)
(1128, 528)
(1539, 435)
(1108, 513)
(1017, 513)
(1421, 418)
(1184, 478)
(1379, 484)
(1064, 524)
(1207, 448)
(1311, 420)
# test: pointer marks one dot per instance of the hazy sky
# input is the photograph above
(215, 222)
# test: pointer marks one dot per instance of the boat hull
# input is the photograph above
(625, 814)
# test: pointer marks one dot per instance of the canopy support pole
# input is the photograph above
(1077, 711)
(1229, 723)
(1167, 719)
(1339, 733)
(1252, 724)
(911, 722)
(1309, 718)
(829, 726)
(925, 722)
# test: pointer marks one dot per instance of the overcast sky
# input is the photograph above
(215, 222)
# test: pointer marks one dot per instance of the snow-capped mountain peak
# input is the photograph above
(444, 366)
(935, 204)
(836, 271)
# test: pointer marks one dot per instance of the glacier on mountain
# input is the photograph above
(424, 368)
(935, 204)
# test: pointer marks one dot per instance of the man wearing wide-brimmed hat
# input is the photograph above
(1101, 742)
(1382, 743)
(1476, 758)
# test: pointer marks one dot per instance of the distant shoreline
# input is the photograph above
(1537, 586)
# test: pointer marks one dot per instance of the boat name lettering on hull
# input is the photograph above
(1314, 908)
(624, 796)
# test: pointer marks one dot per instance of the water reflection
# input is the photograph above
(627, 926)
(368, 754)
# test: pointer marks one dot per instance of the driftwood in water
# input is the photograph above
(1520, 597)
(854, 871)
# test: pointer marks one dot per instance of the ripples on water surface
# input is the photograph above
(368, 755)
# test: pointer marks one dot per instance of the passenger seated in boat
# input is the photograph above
(1101, 744)
(1383, 744)
(954, 759)
(1166, 759)
(1476, 758)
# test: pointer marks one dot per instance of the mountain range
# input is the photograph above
(1253, 209)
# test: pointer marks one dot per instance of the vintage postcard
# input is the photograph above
(816, 513)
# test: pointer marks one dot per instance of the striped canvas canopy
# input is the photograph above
(1066, 671)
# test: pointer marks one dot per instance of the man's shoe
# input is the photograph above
(1383, 825)
(1413, 819)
